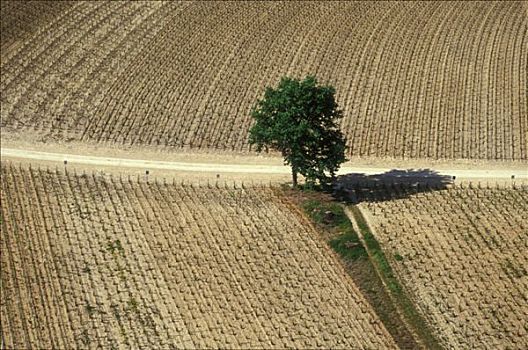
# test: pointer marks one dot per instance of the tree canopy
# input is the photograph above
(300, 119)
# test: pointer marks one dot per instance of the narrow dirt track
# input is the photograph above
(73, 159)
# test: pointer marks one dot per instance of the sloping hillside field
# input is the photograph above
(462, 254)
(434, 94)
(415, 79)
(99, 262)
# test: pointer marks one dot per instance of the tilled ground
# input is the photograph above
(461, 253)
(108, 262)
(415, 79)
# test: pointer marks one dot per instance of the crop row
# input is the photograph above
(108, 262)
(68, 74)
(21, 18)
(415, 79)
(461, 253)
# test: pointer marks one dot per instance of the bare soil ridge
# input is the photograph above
(459, 254)
(422, 79)
(90, 261)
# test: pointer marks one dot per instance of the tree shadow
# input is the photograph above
(355, 187)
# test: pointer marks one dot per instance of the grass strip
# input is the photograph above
(339, 233)
(412, 316)
(347, 242)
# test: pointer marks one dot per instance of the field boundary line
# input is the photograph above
(413, 320)
(481, 173)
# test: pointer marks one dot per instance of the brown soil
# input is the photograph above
(423, 79)
(91, 261)
(461, 257)
(364, 275)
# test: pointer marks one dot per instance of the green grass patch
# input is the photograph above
(348, 246)
(380, 261)
(398, 257)
(330, 214)
(115, 247)
(345, 241)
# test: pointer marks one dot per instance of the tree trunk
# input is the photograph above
(294, 177)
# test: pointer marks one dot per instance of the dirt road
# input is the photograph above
(236, 166)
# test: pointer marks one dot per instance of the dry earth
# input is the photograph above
(461, 254)
(119, 87)
(423, 79)
(91, 261)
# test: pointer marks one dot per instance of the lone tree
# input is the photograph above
(299, 119)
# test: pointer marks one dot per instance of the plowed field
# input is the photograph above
(95, 262)
(461, 253)
(415, 79)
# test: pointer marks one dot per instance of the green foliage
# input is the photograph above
(332, 216)
(90, 309)
(115, 247)
(115, 309)
(398, 257)
(133, 305)
(348, 246)
(300, 119)
(85, 337)
(514, 271)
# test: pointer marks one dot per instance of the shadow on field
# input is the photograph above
(355, 188)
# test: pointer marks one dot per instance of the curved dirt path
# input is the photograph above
(238, 166)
